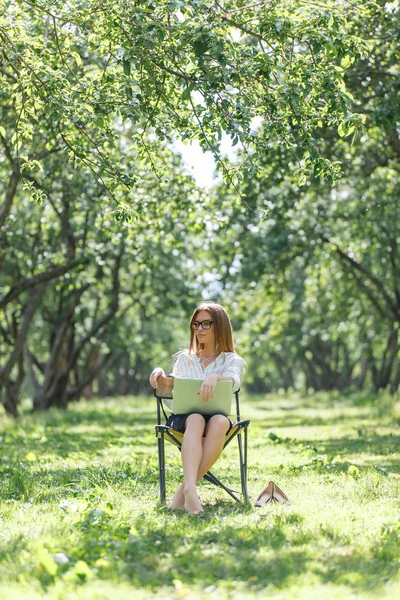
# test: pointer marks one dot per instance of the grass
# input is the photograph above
(80, 517)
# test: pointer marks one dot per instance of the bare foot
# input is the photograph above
(178, 501)
(192, 502)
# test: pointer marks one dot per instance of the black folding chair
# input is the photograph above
(239, 431)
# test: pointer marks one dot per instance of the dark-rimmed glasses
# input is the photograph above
(203, 324)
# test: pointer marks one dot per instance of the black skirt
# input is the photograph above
(177, 422)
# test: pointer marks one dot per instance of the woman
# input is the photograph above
(211, 356)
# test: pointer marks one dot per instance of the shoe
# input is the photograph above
(279, 496)
(272, 493)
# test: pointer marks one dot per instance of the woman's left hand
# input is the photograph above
(208, 387)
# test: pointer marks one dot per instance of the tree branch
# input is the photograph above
(30, 282)
(10, 194)
(370, 276)
(32, 304)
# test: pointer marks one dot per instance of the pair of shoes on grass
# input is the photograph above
(272, 493)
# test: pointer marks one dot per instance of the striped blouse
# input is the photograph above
(227, 364)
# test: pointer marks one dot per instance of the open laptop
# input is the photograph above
(185, 398)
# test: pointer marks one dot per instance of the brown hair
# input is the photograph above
(223, 337)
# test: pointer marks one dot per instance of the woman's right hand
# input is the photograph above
(156, 373)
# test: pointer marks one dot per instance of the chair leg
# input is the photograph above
(245, 457)
(161, 467)
(243, 463)
(212, 479)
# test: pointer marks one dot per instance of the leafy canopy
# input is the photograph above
(170, 69)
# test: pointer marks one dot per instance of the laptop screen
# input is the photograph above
(186, 397)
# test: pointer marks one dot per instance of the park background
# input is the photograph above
(107, 243)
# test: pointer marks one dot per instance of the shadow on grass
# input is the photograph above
(217, 552)
(59, 432)
(208, 550)
(359, 571)
(51, 485)
(266, 555)
(312, 421)
(375, 444)
(382, 447)
(105, 417)
(156, 558)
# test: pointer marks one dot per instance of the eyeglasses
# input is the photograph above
(202, 324)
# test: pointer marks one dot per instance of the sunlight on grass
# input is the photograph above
(81, 518)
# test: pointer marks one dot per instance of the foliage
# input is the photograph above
(194, 70)
(114, 275)
(318, 266)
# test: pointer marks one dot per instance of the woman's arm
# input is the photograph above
(234, 371)
(155, 374)
(207, 388)
(226, 378)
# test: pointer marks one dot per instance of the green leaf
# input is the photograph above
(353, 471)
(77, 58)
(82, 568)
(302, 180)
(345, 129)
(127, 67)
(349, 95)
(342, 129)
(200, 47)
(47, 562)
(346, 61)
(185, 94)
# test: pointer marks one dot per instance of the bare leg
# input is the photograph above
(194, 430)
(186, 496)
(192, 452)
(213, 443)
(178, 500)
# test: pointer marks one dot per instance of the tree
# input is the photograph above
(85, 320)
(328, 258)
(194, 70)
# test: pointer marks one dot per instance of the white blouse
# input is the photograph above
(227, 364)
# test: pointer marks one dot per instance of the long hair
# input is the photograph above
(223, 337)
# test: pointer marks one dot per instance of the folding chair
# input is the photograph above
(239, 430)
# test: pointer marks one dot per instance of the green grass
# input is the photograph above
(80, 516)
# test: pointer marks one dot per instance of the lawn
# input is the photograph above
(80, 515)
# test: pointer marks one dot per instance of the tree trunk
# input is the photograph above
(10, 194)
(394, 386)
(389, 356)
(360, 381)
(12, 387)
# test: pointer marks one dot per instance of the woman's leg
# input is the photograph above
(211, 449)
(192, 451)
(213, 443)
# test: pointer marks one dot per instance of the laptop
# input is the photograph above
(185, 398)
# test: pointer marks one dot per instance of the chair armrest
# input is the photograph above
(164, 387)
